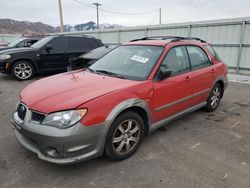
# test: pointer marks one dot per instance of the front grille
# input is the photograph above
(21, 111)
(37, 117)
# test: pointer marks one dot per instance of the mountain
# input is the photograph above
(90, 26)
(85, 26)
(9, 26)
(110, 26)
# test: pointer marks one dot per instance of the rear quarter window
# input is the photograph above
(213, 52)
(198, 57)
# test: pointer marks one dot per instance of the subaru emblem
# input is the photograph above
(22, 109)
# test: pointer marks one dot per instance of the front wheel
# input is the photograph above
(125, 136)
(214, 98)
(22, 70)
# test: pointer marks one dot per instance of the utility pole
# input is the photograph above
(97, 13)
(61, 15)
(160, 16)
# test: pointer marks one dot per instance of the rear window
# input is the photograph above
(213, 52)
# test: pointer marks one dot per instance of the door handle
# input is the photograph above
(187, 78)
(212, 70)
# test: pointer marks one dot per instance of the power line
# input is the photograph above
(84, 4)
(115, 12)
(104, 17)
(153, 19)
(130, 14)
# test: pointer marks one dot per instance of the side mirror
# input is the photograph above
(48, 47)
(165, 74)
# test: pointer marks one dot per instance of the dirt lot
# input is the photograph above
(199, 150)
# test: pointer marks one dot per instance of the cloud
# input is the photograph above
(46, 11)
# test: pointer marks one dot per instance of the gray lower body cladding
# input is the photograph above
(63, 146)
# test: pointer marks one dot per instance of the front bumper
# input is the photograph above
(62, 146)
(3, 68)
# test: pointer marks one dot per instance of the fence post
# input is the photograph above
(146, 32)
(242, 36)
(189, 30)
(99, 35)
(118, 36)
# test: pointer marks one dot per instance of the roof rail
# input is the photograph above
(70, 34)
(173, 38)
(189, 38)
(34, 35)
(156, 38)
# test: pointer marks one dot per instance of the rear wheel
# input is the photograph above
(125, 136)
(22, 70)
(214, 98)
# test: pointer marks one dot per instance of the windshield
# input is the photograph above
(15, 42)
(130, 62)
(42, 42)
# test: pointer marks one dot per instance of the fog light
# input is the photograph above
(53, 152)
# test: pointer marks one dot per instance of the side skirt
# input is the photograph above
(163, 122)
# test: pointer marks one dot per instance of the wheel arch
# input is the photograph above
(141, 111)
(137, 105)
(222, 83)
(31, 61)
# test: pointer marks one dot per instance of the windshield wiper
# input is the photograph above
(110, 73)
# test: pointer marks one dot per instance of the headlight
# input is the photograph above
(4, 56)
(64, 119)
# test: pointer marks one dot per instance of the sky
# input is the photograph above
(173, 11)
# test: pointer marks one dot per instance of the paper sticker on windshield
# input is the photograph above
(140, 59)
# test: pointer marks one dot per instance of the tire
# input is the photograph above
(214, 98)
(125, 136)
(22, 70)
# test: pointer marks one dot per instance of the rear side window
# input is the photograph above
(213, 52)
(198, 58)
(176, 60)
(59, 45)
(79, 44)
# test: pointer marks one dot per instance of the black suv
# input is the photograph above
(20, 42)
(50, 54)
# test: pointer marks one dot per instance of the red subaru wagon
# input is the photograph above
(109, 107)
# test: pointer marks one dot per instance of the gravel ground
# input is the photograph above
(199, 150)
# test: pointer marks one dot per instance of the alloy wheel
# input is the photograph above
(126, 136)
(23, 71)
(215, 97)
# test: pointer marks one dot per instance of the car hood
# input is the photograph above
(16, 50)
(69, 90)
(5, 48)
